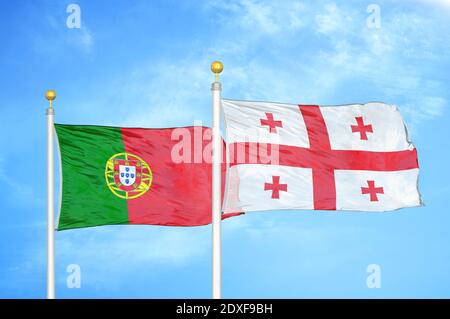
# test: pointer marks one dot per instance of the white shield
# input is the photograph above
(127, 174)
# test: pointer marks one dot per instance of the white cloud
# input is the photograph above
(383, 57)
(171, 92)
(19, 191)
(146, 249)
(442, 3)
(145, 245)
(348, 52)
(424, 108)
(59, 38)
(325, 49)
(261, 17)
(434, 106)
(107, 254)
(388, 60)
(84, 39)
(332, 20)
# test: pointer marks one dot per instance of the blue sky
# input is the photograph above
(146, 63)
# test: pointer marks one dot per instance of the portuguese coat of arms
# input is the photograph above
(128, 176)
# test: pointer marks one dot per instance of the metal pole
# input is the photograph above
(216, 89)
(50, 96)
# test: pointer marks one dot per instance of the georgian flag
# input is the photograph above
(287, 156)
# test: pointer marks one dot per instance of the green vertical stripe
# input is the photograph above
(86, 199)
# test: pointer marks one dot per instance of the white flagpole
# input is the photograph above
(50, 95)
(216, 88)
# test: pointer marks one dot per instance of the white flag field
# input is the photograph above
(348, 157)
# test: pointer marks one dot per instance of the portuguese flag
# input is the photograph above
(114, 176)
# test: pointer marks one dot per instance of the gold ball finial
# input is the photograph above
(217, 68)
(50, 95)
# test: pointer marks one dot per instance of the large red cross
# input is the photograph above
(322, 159)
(275, 187)
(372, 190)
(361, 128)
(270, 121)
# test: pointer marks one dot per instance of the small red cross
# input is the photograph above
(271, 123)
(372, 190)
(275, 187)
(361, 128)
